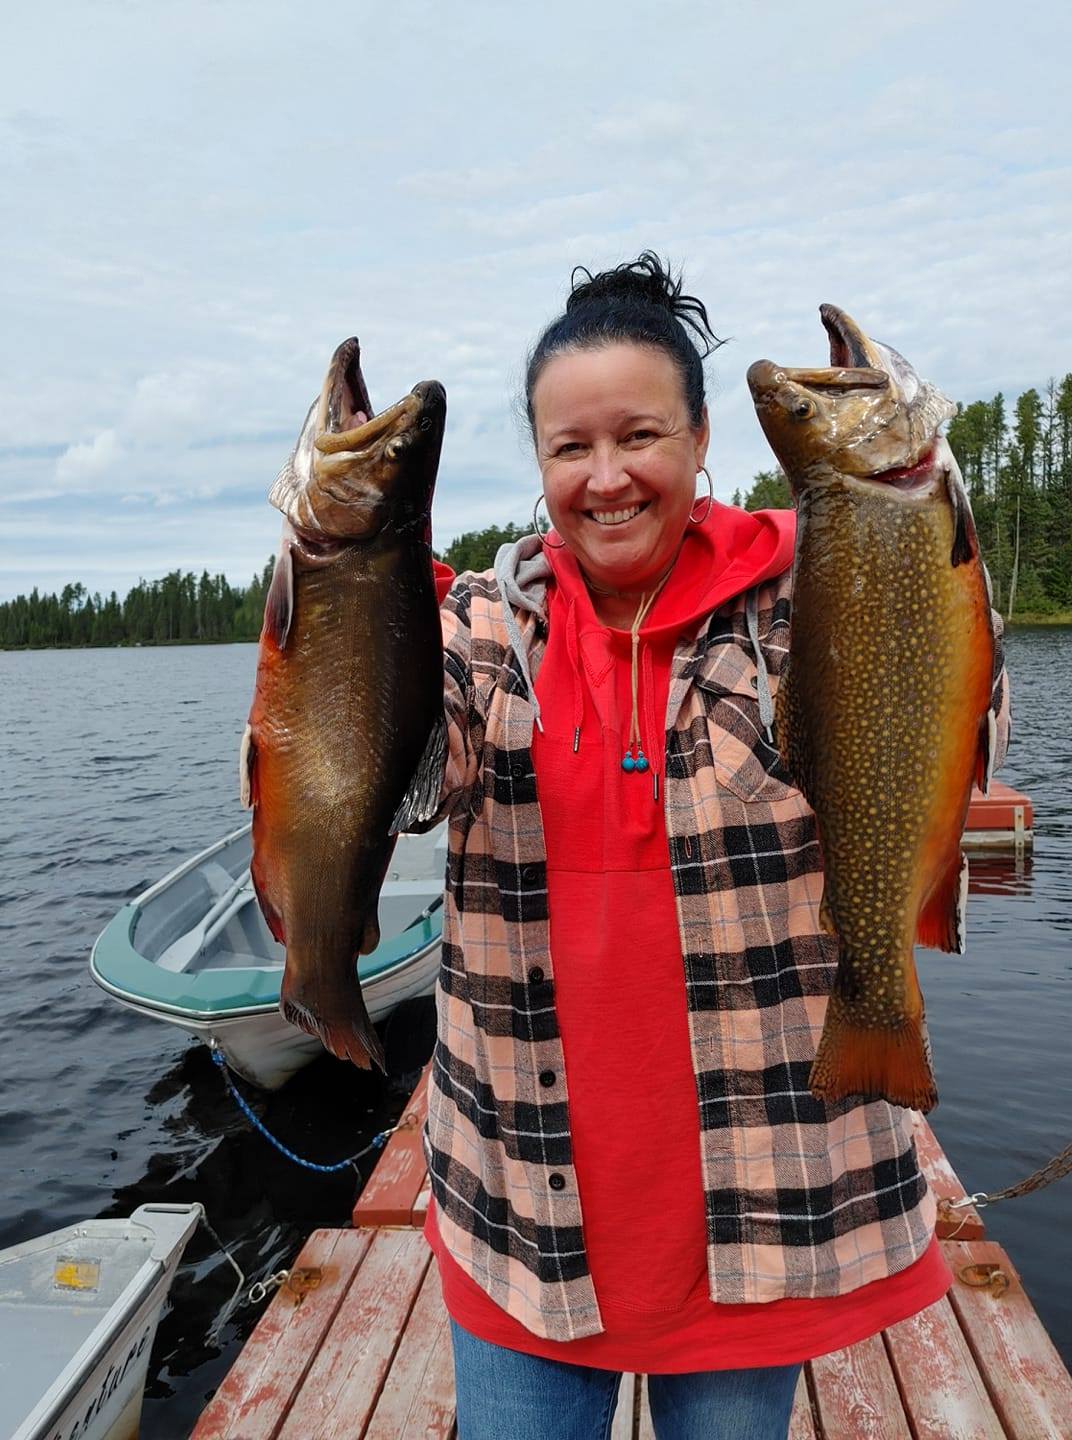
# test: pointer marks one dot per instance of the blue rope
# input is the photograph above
(377, 1142)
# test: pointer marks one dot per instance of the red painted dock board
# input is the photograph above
(395, 1185)
(260, 1387)
(417, 1399)
(344, 1382)
(856, 1394)
(941, 1389)
(1028, 1383)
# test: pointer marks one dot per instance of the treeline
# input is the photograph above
(180, 607)
(1017, 465)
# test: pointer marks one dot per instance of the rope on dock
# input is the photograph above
(407, 1122)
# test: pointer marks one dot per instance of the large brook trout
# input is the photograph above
(348, 707)
(883, 715)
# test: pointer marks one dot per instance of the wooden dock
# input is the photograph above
(359, 1347)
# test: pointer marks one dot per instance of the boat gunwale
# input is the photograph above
(150, 1004)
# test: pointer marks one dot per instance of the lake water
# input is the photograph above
(120, 763)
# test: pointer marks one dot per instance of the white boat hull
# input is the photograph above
(87, 1361)
(267, 1050)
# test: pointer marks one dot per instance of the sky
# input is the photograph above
(200, 200)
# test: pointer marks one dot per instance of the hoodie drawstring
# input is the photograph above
(640, 761)
(573, 650)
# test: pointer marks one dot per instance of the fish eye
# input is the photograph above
(803, 408)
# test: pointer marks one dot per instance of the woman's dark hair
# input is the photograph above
(641, 303)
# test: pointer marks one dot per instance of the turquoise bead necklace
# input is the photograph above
(638, 763)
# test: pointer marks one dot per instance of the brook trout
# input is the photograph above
(883, 715)
(348, 706)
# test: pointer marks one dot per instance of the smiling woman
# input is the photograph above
(615, 399)
(629, 1170)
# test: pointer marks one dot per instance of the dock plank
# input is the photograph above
(392, 1189)
(645, 1429)
(1026, 1377)
(963, 1224)
(622, 1426)
(343, 1384)
(856, 1396)
(258, 1391)
(941, 1388)
(417, 1400)
(802, 1420)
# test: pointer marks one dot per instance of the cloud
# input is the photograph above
(203, 211)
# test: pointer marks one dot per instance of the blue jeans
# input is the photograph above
(506, 1395)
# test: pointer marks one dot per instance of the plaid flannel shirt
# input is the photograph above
(802, 1198)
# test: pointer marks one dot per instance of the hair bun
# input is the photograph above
(647, 280)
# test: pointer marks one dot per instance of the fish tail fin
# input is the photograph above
(335, 1014)
(941, 921)
(889, 1061)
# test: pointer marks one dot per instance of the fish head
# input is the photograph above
(866, 414)
(354, 474)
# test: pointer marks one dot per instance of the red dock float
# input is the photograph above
(1002, 820)
(357, 1343)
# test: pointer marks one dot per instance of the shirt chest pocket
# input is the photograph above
(744, 761)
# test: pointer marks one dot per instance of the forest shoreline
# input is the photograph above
(1026, 622)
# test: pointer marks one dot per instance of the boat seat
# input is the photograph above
(218, 880)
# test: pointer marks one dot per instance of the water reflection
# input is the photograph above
(1000, 873)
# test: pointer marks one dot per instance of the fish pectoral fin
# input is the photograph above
(336, 1015)
(965, 540)
(279, 604)
(941, 923)
(984, 759)
(421, 800)
(247, 760)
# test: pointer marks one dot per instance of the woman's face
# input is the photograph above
(619, 459)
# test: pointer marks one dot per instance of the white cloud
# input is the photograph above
(207, 198)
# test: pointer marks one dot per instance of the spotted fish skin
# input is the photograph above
(883, 718)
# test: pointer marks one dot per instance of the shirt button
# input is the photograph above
(557, 1181)
(547, 1078)
(536, 975)
(528, 872)
(753, 680)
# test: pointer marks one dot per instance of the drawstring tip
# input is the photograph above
(539, 724)
(769, 734)
(576, 739)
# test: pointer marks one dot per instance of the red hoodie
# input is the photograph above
(620, 999)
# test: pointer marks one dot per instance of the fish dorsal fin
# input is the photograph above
(422, 798)
(279, 605)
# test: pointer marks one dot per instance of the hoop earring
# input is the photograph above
(540, 534)
(699, 519)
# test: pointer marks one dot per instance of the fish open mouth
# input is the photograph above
(848, 344)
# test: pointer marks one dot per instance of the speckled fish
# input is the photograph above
(883, 713)
(346, 740)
